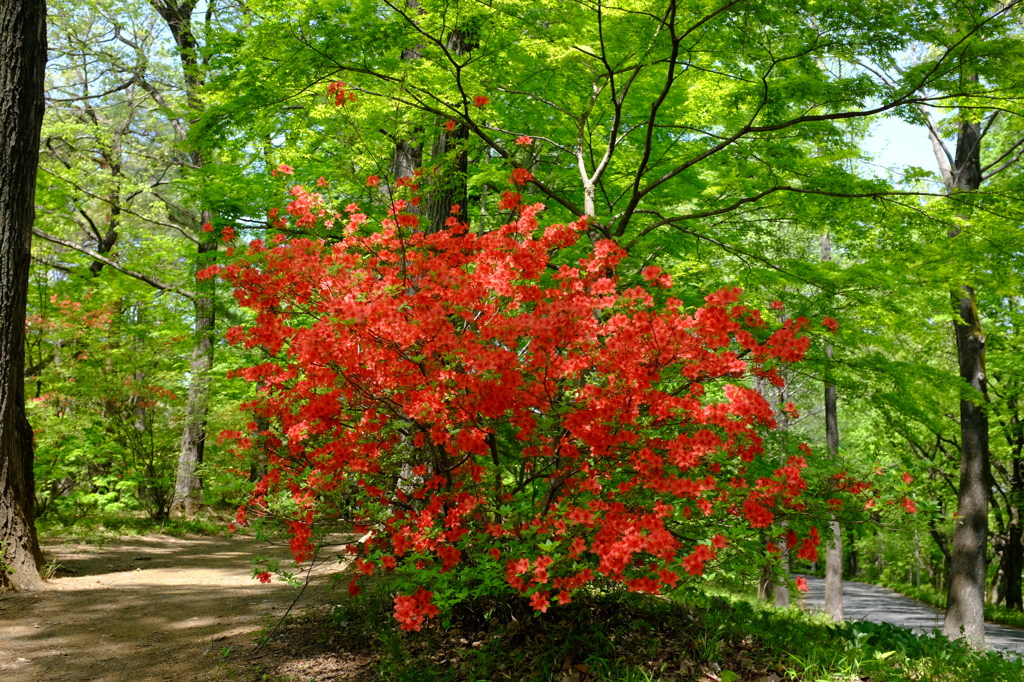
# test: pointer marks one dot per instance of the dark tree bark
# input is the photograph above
(448, 185)
(22, 66)
(965, 603)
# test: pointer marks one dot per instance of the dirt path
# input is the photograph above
(147, 608)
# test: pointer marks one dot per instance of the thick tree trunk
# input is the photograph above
(965, 603)
(22, 64)
(966, 598)
(448, 184)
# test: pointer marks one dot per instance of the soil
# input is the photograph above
(152, 608)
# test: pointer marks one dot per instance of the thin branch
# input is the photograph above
(142, 277)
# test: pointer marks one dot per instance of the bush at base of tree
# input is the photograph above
(501, 412)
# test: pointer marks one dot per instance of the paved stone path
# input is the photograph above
(862, 601)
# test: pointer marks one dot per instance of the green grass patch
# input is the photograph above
(623, 637)
(100, 528)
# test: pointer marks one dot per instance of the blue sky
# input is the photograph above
(895, 143)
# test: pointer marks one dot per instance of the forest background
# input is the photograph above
(722, 142)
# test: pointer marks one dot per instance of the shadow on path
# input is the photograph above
(862, 601)
(154, 608)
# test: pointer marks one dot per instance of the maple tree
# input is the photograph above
(504, 411)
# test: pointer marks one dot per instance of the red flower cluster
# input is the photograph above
(341, 95)
(521, 176)
(483, 396)
(411, 612)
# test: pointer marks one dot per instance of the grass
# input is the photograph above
(100, 528)
(622, 637)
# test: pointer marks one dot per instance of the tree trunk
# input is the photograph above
(966, 598)
(852, 558)
(834, 548)
(450, 159)
(188, 485)
(22, 65)
(1014, 551)
(448, 183)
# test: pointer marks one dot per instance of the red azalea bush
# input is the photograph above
(497, 417)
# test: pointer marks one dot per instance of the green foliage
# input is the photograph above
(105, 407)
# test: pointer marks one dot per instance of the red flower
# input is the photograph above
(694, 564)
(341, 96)
(909, 505)
(263, 576)
(449, 125)
(481, 101)
(539, 601)
(411, 612)
(801, 584)
(465, 332)
(372, 181)
(809, 547)
(521, 176)
(830, 324)
(524, 140)
(509, 200)
(656, 277)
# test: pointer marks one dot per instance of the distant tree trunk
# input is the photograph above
(966, 597)
(852, 559)
(834, 548)
(22, 64)
(450, 158)
(260, 456)
(408, 154)
(1014, 552)
(188, 484)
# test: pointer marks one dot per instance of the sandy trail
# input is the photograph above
(146, 608)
